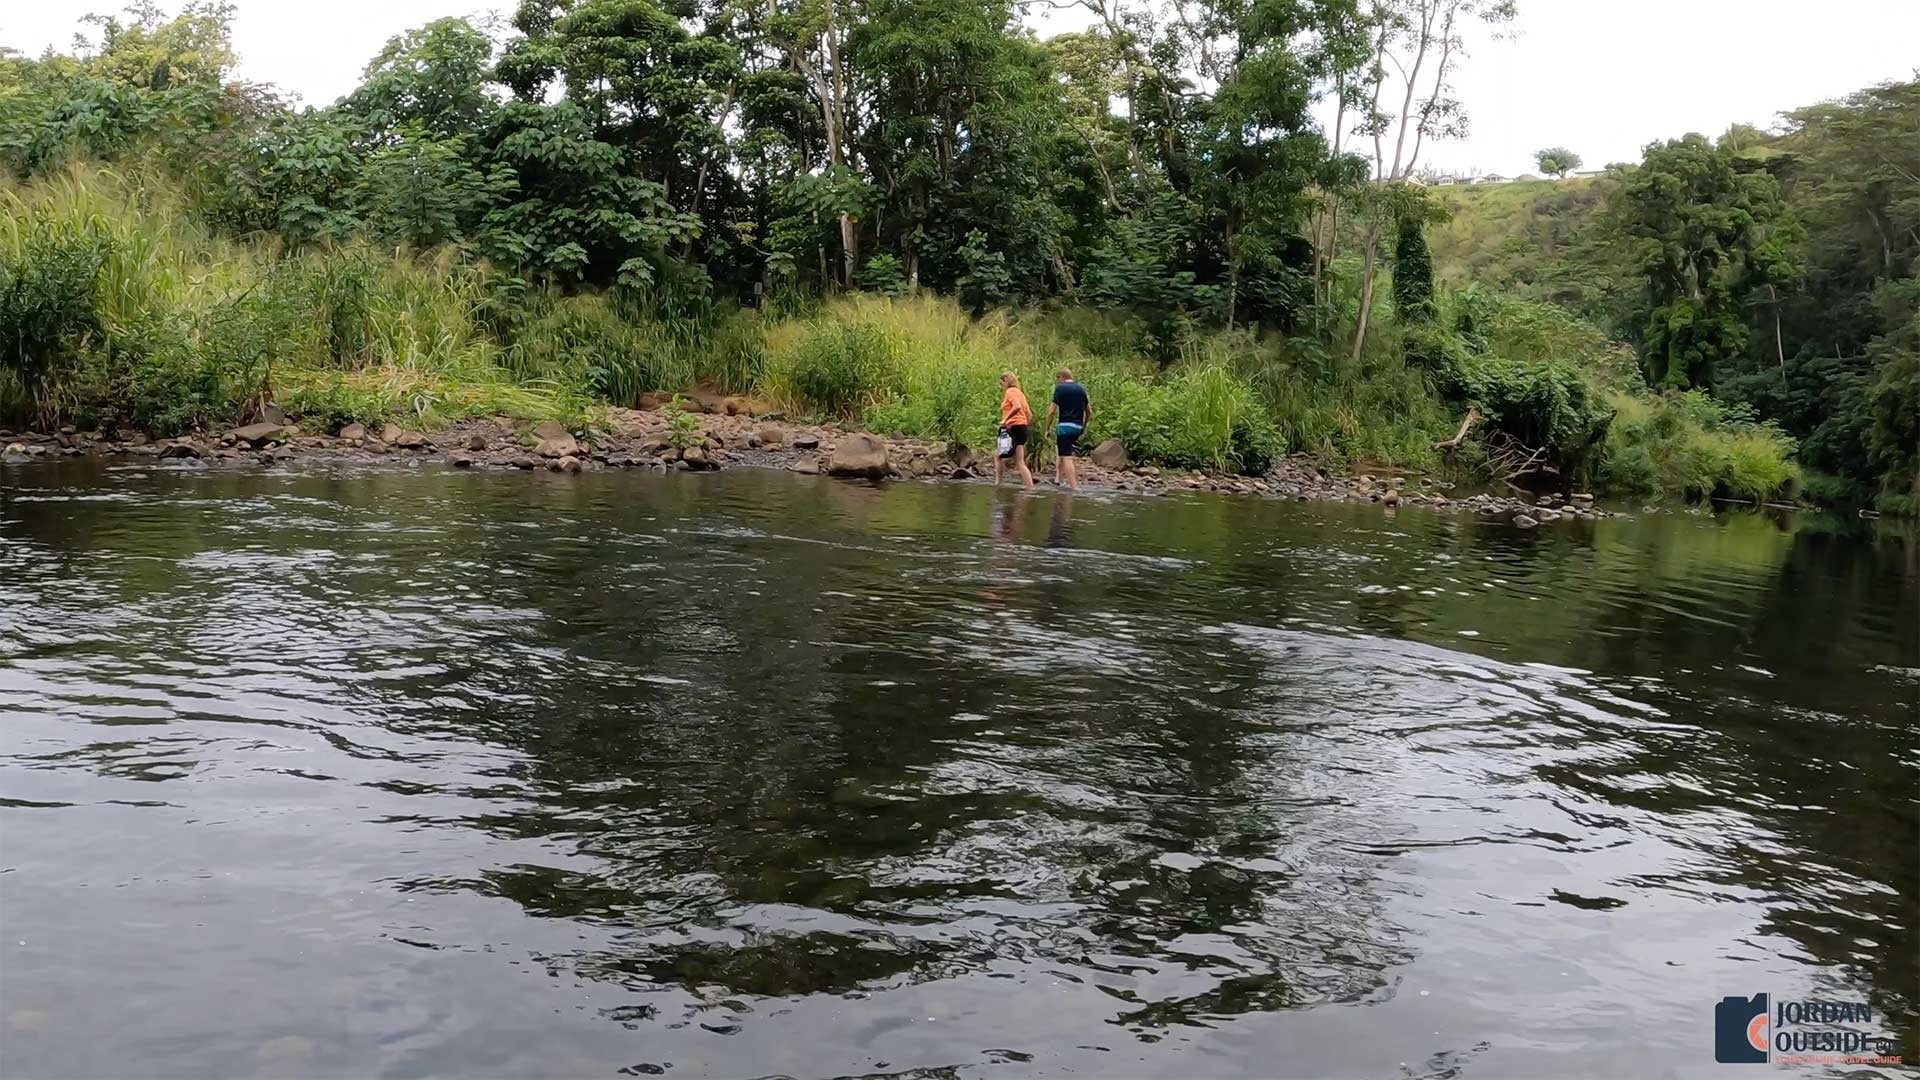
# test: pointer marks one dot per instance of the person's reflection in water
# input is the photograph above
(1008, 517)
(1060, 528)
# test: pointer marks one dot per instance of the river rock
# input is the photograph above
(770, 434)
(354, 432)
(565, 464)
(476, 442)
(1391, 498)
(1110, 454)
(807, 466)
(180, 449)
(1524, 521)
(389, 433)
(1545, 514)
(1583, 497)
(860, 454)
(460, 459)
(696, 457)
(256, 434)
(522, 462)
(555, 440)
(654, 444)
(411, 440)
(806, 441)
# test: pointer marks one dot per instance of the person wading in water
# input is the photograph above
(1015, 418)
(1071, 406)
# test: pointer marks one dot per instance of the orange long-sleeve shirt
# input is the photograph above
(1013, 408)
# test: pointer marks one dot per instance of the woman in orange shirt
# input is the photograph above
(1015, 417)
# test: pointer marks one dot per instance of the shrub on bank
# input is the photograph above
(117, 310)
(1693, 446)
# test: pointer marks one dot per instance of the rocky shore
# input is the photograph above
(730, 435)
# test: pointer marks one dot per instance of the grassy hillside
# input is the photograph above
(1539, 238)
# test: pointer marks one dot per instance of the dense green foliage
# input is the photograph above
(1779, 273)
(867, 209)
(1557, 160)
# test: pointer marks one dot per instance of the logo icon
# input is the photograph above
(1740, 1030)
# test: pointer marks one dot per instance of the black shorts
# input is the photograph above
(1018, 433)
(1068, 436)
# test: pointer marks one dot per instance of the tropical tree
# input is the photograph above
(1697, 216)
(1557, 160)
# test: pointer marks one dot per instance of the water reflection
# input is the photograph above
(422, 771)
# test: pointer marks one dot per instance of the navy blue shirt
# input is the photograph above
(1071, 399)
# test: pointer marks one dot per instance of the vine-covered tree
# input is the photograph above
(1698, 215)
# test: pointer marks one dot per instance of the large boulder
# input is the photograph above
(860, 454)
(390, 433)
(555, 441)
(1110, 454)
(260, 434)
(354, 432)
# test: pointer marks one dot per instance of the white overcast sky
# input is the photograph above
(1602, 78)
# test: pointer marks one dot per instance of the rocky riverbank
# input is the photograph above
(730, 436)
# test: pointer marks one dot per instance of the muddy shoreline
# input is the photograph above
(647, 440)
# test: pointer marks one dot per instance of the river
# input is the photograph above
(404, 772)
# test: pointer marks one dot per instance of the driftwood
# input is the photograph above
(1466, 425)
(1513, 459)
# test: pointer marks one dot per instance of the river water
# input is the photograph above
(410, 772)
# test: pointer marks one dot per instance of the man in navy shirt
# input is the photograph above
(1071, 407)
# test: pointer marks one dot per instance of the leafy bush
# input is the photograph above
(683, 430)
(49, 311)
(1542, 404)
(1206, 418)
(1692, 445)
(884, 274)
(837, 367)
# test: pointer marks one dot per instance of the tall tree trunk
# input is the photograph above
(1439, 84)
(1886, 244)
(1233, 274)
(1779, 343)
(1413, 78)
(1366, 291)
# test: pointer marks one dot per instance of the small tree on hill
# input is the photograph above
(1557, 160)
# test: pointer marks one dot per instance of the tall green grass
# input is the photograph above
(1688, 445)
(169, 326)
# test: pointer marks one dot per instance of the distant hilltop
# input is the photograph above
(1450, 179)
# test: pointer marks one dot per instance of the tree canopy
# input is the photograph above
(1557, 160)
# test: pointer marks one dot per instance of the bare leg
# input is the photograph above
(1020, 462)
(1070, 470)
(997, 461)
